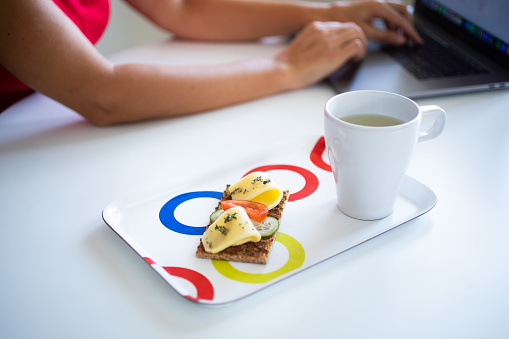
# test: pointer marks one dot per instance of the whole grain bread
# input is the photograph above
(250, 252)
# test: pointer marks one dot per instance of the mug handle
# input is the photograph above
(439, 124)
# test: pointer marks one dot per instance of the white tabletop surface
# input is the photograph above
(66, 274)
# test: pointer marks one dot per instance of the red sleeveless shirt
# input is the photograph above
(91, 17)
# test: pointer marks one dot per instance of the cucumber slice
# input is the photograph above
(267, 226)
(216, 214)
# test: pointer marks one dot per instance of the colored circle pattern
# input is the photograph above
(316, 155)
(167, 212)
(295, 260)
(205, 290)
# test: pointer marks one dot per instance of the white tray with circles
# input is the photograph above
(165, 228)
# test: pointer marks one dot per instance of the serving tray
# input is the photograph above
(165, 228)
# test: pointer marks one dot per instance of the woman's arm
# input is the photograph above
(230, 19)
(252, 19)
(52, 56)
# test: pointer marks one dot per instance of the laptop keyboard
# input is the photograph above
(434, 59)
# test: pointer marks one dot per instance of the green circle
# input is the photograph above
(295, 260)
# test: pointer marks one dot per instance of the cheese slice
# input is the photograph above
(232, 228)
(258, 187)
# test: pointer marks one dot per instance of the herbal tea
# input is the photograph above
(369, 119)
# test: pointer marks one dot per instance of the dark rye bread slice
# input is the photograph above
(250, 252)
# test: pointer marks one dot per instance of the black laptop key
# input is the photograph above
(434, 59)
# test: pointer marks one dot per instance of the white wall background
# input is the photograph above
(127, 28)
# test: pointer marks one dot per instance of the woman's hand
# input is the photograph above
(398, 22)
(320, 49)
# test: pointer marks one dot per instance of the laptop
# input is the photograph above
(466, 49)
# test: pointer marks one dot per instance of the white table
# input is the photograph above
(65, 274)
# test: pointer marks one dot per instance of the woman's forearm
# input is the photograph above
(232, 19)
(253, 19)
(137, 92)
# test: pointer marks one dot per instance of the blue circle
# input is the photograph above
(167, 212)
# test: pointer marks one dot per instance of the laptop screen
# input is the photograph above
(482, 22)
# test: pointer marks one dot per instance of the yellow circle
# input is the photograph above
(295, 260)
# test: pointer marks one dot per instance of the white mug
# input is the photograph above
(369, 162)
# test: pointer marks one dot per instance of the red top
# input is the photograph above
(91, 17)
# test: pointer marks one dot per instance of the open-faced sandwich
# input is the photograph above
(243, 228)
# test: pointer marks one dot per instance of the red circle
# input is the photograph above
(316, 155)
(204, 288)
(311, 179)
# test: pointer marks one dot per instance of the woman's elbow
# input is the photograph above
(100, 115)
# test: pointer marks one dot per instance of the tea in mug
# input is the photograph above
(370, 119)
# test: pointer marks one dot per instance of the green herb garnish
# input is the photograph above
(259, 178)
(240, 190)
(221, 229)
(229, 217)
